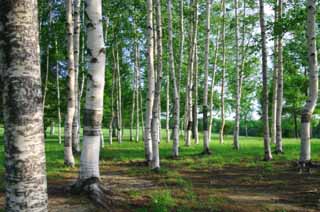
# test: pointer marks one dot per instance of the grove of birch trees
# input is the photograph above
(156, 71)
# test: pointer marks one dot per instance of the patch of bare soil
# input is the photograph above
(113, 177)
(279, 189)
(230, 188)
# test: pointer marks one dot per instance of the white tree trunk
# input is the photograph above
(58, 94)
(51, 128)
(119, 98)
(112, 104)
(306, 116)
(188, 108)
(181, 46)
(176, 95)
(195, 96)
(151, 83)
(206, 149)
(155, 163)
(221, 134)
(133, 107)
(76, 41)
(265, 116)
(168, 107)
(138, 95)
(68, 155)
(25, 164)
(236, 143)
(275, 80)
(93, 111)
(280, 87)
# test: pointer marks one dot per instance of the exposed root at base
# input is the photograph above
(306, 166)
(278, 152)
(206, 152)
(97, 193)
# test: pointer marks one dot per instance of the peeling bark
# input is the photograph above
(76, 50)
(275, 80)
(68, 155)
(236, 144)
(306, 116)
(206, 149)
(176, 94)
(221, 133)
(265, 116)
(89, 174)
(151, 83)
(280, 87)
(25, 165)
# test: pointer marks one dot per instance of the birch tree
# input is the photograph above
(151, 83)
(221, 133)
(58, 93)
(89, 175)
(76, 40)
(155, 163)
(267, 148)
(168, 107)
(236, 144)
(206, 149)
(181, 46)
(188, 108)
(280, 87)
(274, 79)
(138, 103)
(112, 100)
(25, 165)
(176, 95)
(306, 116)
(133, 106)
(119, 98)
(195, 95)
(68, 155)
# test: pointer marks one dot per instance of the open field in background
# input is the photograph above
(225, 181)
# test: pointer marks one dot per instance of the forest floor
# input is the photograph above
(227, 180)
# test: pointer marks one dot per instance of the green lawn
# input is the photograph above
(227, 180)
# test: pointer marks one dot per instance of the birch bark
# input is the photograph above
(151, 83)
(221, 134)
(25, 164)
(68, 155)
(206, 149)
(93, 111)
(280, 87)
(275, 79)
(76, 41)
(236, 144)
(267, 148)
(306, 116)
(176, 94)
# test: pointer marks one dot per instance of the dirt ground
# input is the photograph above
(227, 188)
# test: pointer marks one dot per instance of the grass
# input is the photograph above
(183, 184)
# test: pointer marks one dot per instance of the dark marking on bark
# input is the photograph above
(92, 119)
(306, 117)
(93, 60)
(27, 98)
(205, 117)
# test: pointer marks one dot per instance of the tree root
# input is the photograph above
(277, 152)
(97, 193)
(306, 166)
(206, 152)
